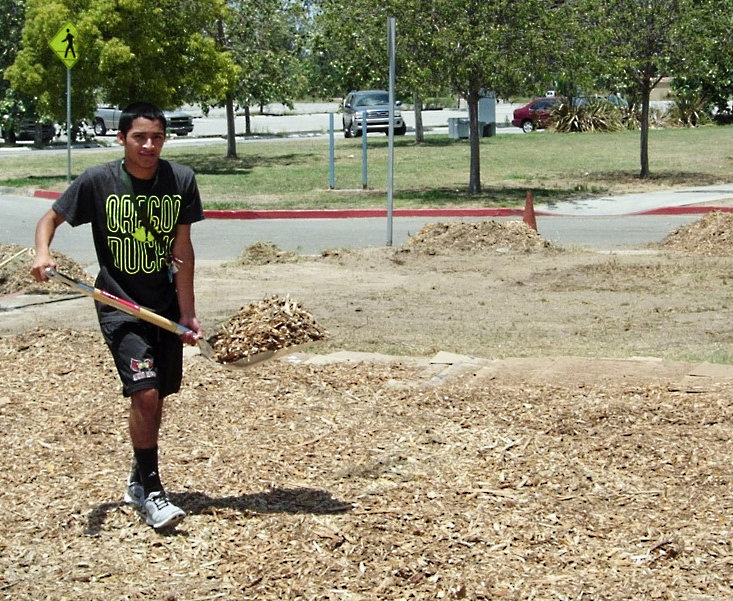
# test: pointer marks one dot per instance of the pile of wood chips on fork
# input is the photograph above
(270, 325)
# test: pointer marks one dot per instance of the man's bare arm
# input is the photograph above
(183, 255)
(45, 230)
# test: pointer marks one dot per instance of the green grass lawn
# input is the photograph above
(294, 172)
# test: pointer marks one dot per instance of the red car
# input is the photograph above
(534, 114)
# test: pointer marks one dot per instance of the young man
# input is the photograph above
(141, 209)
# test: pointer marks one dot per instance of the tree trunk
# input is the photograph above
(247, 122)
(38, 135)
(231, 132)
(474, 182)
(644, 151)
(419, 132)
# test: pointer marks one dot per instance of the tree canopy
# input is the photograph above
(164, 52)
(259, 51)
(264, 38)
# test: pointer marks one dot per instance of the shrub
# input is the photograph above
(688, 110)
(589, 115)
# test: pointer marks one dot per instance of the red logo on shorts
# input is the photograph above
(141, 364)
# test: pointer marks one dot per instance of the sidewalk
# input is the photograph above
(667, 202)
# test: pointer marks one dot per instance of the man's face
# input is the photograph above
(143, 144)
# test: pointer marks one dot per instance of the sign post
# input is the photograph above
(63, 45)
(390, 132)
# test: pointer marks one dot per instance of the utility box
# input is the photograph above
(487, 107)
(458, 127)
(487, 113)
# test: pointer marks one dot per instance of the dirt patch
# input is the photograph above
(537, 424)
(363, 481)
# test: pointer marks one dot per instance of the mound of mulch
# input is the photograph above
(15, 277)
(262, 253)
(510, 236)
(710, 235)
(272, 324)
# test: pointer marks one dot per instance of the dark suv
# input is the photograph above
(376, 105)
(26, 131)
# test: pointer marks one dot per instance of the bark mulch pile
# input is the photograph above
(710, 235)
(272, 324)
(361, 481)
(510, 236)
(262, 253)
(15, 277)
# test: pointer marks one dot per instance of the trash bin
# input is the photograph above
(458, 127)
(487, 129)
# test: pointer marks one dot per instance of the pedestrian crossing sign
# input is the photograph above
(64, 45)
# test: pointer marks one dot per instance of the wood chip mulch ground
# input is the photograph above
(361, 481)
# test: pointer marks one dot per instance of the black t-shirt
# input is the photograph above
(133, 262)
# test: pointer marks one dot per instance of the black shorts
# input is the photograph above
(146, 356)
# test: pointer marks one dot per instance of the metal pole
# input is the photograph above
(390, 151)
(331, 170)
(364, 151)
(68, 125)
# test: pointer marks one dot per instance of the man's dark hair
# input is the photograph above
(140, 109)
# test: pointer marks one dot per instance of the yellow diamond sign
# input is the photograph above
(64, 45)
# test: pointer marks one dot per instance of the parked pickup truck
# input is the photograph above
(107, 119)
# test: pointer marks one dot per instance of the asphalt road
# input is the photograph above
(217, 239)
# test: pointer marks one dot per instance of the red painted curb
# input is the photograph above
(46, 194)
(336, 213)
(370, 213)
(690, 210)
(357, 213)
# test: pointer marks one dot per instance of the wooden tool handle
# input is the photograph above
(119, 303)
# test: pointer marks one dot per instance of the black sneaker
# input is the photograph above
(134, 493)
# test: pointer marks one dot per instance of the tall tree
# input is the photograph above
(164, 52)
(12, 13)
(416, 59)
(484, 44)
(645, 40)
(569, 61)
